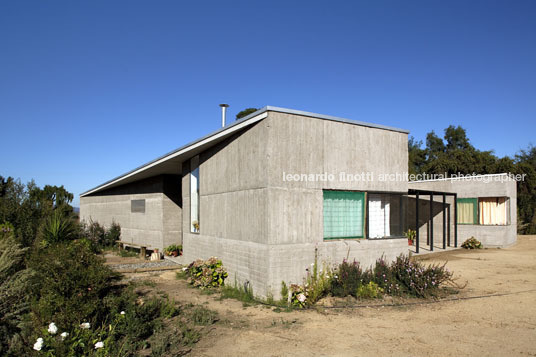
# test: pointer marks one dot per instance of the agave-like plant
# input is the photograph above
(58, 228)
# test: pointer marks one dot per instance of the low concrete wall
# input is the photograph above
(266, 266)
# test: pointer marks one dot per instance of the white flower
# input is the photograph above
(64, 335)
(85, 325)
(38, 344)
(301, 298)
(99, 344)
(122, 312)
(184, 269)
(52, 328)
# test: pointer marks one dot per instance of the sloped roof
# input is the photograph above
(170, 162)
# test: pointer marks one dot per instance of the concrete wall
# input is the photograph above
(485, 186)
(158, 227)
(266, 229)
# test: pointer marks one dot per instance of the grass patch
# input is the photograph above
(240, 293)
(200, 315)
(127, 253)
(181, 275)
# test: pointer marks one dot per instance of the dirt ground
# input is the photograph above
(503, 324)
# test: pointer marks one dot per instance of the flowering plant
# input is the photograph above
(206, 273)
(298, 297)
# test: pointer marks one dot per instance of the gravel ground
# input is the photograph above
(142, 265)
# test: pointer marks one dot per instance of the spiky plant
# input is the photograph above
(58, 228)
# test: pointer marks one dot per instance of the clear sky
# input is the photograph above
(92, 89)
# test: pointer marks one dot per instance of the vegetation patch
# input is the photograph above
(403, 277)
(472, 243)
(206, 273)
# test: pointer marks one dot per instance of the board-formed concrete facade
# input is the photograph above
(481, 186)
(266, 229)
(266, 226)
(157, 227)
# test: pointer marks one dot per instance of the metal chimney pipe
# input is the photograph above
(223, 110)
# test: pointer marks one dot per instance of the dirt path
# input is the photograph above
(499, 326)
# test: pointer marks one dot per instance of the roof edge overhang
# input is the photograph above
(224, 132)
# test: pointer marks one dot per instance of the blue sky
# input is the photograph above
(90, 90)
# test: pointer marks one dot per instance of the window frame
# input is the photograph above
(363, 214)
(137, 210)
(507, 213)
(194, 167)
(474, 200)
(402, 213)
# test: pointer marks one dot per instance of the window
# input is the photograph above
(493, 210)
(194, 195)
(467, 211)
(343, 214)
(137, 206)
(386, 215)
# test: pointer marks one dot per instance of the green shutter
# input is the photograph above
(467, 210)
(343, 214)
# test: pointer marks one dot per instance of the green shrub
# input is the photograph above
(7, 230)
(58, 228)
(93, 231)
(401, 277)
(70, 283)
(284, 291)
(206, 274)
(347, 278)
(472, 243)
(415, 279)
(112, 235)
(14, 285)
(369, 291)
(173, 248)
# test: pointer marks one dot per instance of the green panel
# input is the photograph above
(474, 203)
(344, 213)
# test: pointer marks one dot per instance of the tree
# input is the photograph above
(245, 113)
(26, 206)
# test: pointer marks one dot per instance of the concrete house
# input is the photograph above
(268, 191)
(486, 208)
(264, 192)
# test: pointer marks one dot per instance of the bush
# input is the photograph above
(206, 274)
(173, 248)
(401, 277)
(122, 332)
(70, 283)
(112, 235)
(7, 230)
(417, 280)
(98, 236)
(14, 285)
(472, 243)
(369, 291)
(57, 228)
(347, 279)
